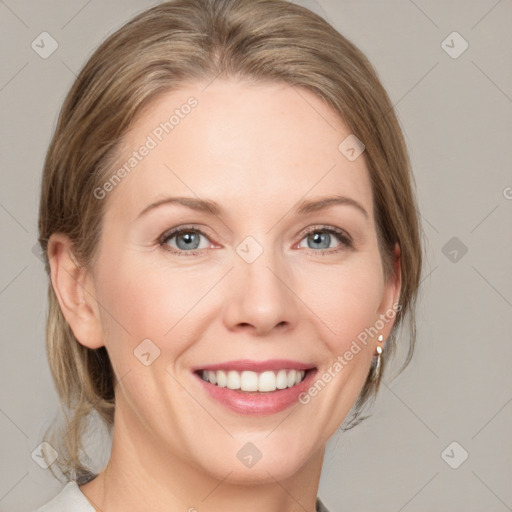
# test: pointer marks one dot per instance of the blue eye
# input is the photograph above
(187, 240)
(323, 236)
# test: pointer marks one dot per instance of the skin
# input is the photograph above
(255, 149)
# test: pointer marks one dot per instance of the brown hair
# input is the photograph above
(159, 50)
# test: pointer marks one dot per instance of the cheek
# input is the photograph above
(345, 298)
(138, 302)
(145, 298)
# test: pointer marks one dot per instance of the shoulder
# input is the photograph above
(69, 499)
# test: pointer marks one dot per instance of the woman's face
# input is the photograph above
(262, 284)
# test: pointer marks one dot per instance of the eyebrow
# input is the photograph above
(303, 208)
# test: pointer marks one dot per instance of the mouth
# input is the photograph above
(252, 382)
(256, 388)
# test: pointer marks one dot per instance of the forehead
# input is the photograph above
(238, 143)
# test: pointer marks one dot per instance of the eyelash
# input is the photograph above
(342, 236)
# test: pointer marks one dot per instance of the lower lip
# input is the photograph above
(257, 403)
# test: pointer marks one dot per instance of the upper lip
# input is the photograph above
(257, 366)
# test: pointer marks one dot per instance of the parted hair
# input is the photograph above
(159, 50)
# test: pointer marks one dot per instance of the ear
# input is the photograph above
(390, 302)
(74, 289)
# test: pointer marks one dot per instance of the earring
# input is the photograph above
(379, 357)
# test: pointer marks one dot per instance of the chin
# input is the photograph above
(260, 460)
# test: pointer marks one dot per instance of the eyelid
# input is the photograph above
(329, 229)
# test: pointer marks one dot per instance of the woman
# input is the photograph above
(232, 241)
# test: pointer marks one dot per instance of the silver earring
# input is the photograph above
(379, 357)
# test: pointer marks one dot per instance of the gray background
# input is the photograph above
(456, 114)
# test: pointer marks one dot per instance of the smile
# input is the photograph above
(250, 387)
(249, 381)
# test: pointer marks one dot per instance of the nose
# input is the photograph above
(261, 296)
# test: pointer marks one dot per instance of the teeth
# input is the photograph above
(251, 381)
(281, 380)
(233, 380)
(266, 381)
(222, 380)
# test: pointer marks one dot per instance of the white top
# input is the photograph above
(69, 499)
(72, 499)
